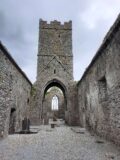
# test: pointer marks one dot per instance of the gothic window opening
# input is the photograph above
(55, 103)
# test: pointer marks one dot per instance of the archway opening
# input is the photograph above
(54, 102)
(12, 121)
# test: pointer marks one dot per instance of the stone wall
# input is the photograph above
(99, 89)
(15, 90)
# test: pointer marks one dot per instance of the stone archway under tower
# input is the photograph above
(51, 89)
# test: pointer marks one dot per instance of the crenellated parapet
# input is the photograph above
(55, 25)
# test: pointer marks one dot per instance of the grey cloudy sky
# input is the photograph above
(19, 20)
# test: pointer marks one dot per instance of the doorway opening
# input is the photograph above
(12, 121)
(54, 104)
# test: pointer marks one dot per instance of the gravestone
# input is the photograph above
(26, 124)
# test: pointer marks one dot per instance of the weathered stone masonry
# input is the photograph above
(15, 90)
(99, 89)
(55, 68)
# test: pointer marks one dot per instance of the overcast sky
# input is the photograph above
(19, 20)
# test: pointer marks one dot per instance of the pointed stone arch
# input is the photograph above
(57, 83)
(54, 83)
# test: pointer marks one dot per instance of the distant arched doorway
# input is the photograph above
(54, 101)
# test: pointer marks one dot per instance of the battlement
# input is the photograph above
(55, 25)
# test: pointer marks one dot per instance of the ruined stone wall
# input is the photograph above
(14, 92)
(99, 89)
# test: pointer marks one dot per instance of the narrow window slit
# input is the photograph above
(54, 71)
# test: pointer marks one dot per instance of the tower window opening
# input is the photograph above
(55, 103)
(54, 71)
(28, 101)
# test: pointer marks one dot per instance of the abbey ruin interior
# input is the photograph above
(92, 103)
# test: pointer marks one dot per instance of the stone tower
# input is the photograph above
(55, 57)
(54, 66)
